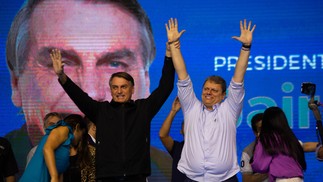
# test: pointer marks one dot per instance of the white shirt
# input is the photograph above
(210, 152)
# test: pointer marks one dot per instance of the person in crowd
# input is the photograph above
(123, 124)
(88, 171)
(247, 173)
(91, 54)
(91, 131)
(49, 120)
(8, 163)
(209, 152)
(247, 153)
(172, 146)
(277, 150)
(51, 158)
(79, 171)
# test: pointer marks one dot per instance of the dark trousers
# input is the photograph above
(232, 179)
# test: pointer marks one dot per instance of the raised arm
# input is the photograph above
(58, 65)
(246, 40)
(54, 140)
(173, 40)
(167, 140)
(81, 99)
(310, 146)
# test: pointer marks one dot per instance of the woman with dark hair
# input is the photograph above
(81, 168)
(51, 158)
(278, 152)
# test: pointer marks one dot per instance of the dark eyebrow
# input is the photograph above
(69, 54)
(118, 54)
(123, 85)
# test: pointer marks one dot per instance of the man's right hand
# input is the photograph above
(58, 65)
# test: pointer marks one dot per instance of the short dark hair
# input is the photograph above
(217, 80)
(124, 75)
(17, 46)
(255, 119)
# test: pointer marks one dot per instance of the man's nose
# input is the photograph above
(93, 84)
(119, 90)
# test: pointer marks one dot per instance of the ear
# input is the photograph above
(223, 95)
(77, 127)
(147, 82)
(15, 97)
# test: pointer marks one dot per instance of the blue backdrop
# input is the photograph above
(287, 50)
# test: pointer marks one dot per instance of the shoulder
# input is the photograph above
(60, 124)
(249, 149)
(60, 130)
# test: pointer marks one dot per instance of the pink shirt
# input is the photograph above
(278, 166)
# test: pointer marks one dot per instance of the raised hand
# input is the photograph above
(58, 65)
(176, 105)
(246, 34)
(172, 31)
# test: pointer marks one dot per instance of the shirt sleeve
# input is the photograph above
(245, 166)
(165, 87)
(317, 151)
(186, 94)
(235, 97)
(82, 100)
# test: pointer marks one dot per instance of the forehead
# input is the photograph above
(53, 119)
(211, 84)
(119, 81)
(83, 25)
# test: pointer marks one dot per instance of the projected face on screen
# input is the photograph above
(96, 40)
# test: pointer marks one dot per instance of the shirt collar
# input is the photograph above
(214, 107)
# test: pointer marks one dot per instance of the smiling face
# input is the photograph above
(96, 40)
(212, 94)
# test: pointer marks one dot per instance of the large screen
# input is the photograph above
(287, 50)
